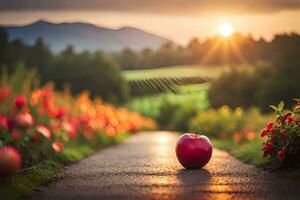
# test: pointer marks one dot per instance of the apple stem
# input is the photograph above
(196, 133)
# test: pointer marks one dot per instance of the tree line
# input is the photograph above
(95, 71)
(234, 50)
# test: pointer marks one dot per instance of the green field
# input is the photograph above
(175, 71)
(195, 93)
(149, 105)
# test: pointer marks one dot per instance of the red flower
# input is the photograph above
(46, 104)
(4, 92)
(60, 113)
(286, 116)
(57, 146)
(283, 136)
(10, 161)
(11, 124)
(70, 128)
(4, 123)
(45, 131)
(281, 154)
(268, 148)
(289, 119)
(264, 132)
(20, 101)
(36, 138)
(270, 126)
(15, 135)
(85, 119)
(272, 139)
(23, 119)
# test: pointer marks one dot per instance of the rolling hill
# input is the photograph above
(84, 36)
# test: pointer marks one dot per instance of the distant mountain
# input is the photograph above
(84, 36)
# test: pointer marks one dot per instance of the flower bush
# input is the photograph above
(282, 137)
(225, 123)
(36, 122)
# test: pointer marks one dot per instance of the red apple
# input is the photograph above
(10, 161)
(193, 150)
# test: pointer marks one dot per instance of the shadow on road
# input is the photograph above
(192, 177)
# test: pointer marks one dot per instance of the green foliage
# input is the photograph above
(175, 116)
(224, 123)
(234, 88)
(96, 72)
(166, 112)
(182, 116)
(22, 79)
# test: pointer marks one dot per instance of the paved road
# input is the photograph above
(145, 167)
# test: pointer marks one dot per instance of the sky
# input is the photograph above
(178, 20)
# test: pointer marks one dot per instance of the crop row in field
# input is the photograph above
(153, 81)
(175, 71)
(160, 85)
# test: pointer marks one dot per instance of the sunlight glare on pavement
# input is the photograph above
(163, 137)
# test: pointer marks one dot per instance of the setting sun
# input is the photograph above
(225, 29)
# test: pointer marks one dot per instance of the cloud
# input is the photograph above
(155, 6)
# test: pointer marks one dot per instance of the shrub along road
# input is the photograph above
(145, 167)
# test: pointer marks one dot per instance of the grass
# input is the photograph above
(249, 152)
(149, 105)
(28, 179)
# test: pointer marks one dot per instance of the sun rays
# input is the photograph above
(227, 45)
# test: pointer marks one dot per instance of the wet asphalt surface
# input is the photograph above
(145, 167)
